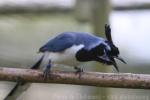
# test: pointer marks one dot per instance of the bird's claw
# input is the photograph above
(47, 71)
(79, 71)
(46, 74)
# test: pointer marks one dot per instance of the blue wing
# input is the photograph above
(59, 43)
(67, 39)
(90, 41)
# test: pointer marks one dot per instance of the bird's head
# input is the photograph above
(113, 52)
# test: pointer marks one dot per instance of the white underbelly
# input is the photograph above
(66, 57)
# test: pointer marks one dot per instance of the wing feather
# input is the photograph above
(68, 39)
(59, 43)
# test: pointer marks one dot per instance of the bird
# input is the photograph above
(74, 48)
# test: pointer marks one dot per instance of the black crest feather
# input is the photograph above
(108, 33)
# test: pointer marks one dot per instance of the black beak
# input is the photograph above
(121, 59)
(114, 63)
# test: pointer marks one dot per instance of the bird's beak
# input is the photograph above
(121, 59)
(114, 63)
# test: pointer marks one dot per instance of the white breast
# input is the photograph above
(66, 57)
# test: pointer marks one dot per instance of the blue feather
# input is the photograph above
(68, 39)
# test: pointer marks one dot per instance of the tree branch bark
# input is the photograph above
(115, 80)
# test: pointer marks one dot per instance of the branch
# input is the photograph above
(116, 80)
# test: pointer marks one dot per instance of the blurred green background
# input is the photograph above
(26, 25)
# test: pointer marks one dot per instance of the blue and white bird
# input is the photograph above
(73, 48)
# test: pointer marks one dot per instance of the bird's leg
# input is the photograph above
(47, 70)
(78, 71)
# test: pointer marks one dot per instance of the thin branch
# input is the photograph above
(142, 6)
(116, 80)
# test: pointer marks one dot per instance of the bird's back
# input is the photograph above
(68, 39)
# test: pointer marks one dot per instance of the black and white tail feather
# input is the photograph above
(20, 87)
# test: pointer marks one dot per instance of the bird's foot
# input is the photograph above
(79, 71)
(46, 74)
(47, 71)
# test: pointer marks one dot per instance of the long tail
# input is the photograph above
(20, 87)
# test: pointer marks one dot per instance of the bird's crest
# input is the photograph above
(108, 33)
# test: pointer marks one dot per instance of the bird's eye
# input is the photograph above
(116, 51)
